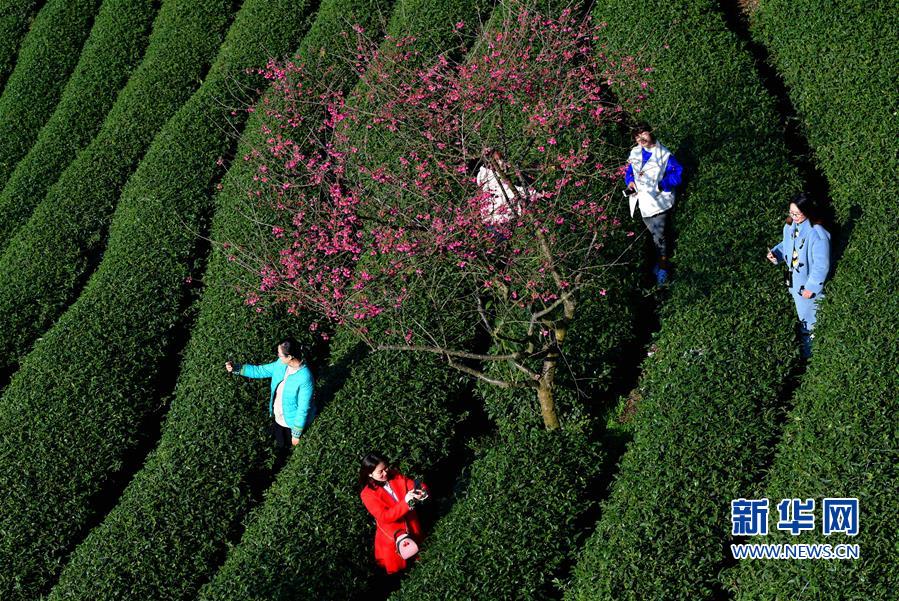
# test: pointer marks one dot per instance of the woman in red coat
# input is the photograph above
(389, 497)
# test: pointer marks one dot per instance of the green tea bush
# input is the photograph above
(515, 522)
(711, 392)
(47, 261)
(516, 516)
(45, 61)
(15, 19)
(601, 335)
(838, 61)
(94, 395)
(116, 43)
(396, 403)
(171, 525)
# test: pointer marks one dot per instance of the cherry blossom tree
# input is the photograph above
(442, 191)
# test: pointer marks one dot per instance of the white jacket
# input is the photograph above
(652, 201)
(495, 209)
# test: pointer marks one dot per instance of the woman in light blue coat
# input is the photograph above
(290, 400)
(805, 249)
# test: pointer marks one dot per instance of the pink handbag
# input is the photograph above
(405, 545)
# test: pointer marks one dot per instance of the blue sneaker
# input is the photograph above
(661, 276)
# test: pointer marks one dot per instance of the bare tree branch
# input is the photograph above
(484, 377)
(447, 352)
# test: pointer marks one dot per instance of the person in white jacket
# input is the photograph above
(652, 175)
(504, 197)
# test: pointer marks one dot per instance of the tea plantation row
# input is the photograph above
(121, 330)
(48, 260)
(171, 525)
(839, 62)
(712, 391)
(45, 61)
(117, 42)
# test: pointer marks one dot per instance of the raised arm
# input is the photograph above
(778, 252)
(257, 371)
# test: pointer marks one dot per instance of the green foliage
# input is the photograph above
(604, 318)
(398, 403)
(46, 59)
(515, 519)
(93, 376)
(312, 536)
(15, 19)
(513, 524)
(839, 63)
(710, 410)
(600, 334)
(47, 261)
(117, 41)
(171, 525)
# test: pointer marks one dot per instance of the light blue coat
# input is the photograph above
(296, 396)
(813, 246)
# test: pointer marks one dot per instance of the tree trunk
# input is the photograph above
(545, 392)
(545, 396)
(545, 387)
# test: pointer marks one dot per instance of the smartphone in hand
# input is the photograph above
(417, 487)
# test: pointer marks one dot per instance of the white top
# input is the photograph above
(647, 176)
(279, 397)
(495, 209)
(390, 491)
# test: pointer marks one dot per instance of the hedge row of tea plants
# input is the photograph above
(170, 527)
(47, 261)
(93, 377)
(709, 416)
(45, 61)
(397, 403)
(838, 61)
(602, 334)
(516, 516)
(514, 521)
(312, 537)
(15, 20)
(115, 46)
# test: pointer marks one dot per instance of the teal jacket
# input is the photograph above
(297, 394)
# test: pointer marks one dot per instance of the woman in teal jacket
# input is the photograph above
(290, 400)
(805, 248)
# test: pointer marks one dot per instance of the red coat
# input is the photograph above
(391, 516)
